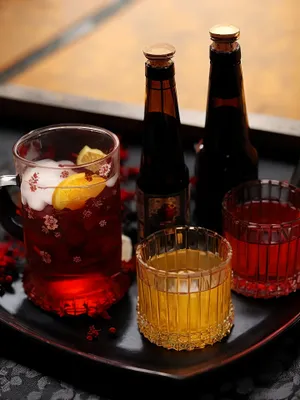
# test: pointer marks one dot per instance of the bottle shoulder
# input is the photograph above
(237, 152)
(228, 169)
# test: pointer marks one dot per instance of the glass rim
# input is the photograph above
(38, 132)
(191, 274)
(251, 224)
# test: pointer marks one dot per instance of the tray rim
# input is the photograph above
(18, 326)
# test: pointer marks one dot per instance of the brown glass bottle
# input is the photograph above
(163, 181)
(225, 156)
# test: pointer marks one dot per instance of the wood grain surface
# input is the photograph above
(27, 24)
(108, 63)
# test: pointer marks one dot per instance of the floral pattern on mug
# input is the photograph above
(64, 174)
(33, 181)
(50, 222)
(45, 230)
(29, 212)
(104, 170)
(97, 203)
(46, 257)
(87, 213)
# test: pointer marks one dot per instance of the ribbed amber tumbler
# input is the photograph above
(184, 279)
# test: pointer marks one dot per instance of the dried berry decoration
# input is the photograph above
(92, 333)
(9, 253)
(112, 331)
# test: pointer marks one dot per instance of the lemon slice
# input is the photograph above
(88, 155)
(75, 190)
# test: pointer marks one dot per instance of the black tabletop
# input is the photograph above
(272, 373)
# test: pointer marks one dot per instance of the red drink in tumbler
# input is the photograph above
(262, 224)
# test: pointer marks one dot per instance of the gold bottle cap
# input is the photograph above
(224, 33)
(159, 51)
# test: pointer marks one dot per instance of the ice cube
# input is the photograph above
(46, 163)
(126, 248)
(35, 202)
(111, 182)
(65, 162)
(39, 183)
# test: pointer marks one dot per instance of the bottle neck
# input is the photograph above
(226, 113)
(161, 138)
(161, 95)
(226, 77)
(225, 47)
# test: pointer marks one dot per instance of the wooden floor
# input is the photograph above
(25, 25)
(107, 62)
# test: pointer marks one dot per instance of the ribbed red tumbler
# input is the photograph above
(261, 220)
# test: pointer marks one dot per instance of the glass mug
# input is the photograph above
(71, 217)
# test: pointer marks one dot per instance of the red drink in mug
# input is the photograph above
(70, 192)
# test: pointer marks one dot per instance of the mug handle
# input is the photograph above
(8, 209)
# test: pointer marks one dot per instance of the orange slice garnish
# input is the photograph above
(75, 190)
(88, 155)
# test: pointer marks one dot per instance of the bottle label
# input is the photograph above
(156, 212)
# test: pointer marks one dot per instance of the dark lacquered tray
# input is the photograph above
(256, 323)
(58, 347)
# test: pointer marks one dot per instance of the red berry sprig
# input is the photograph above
(8, 256)
(92, 333)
